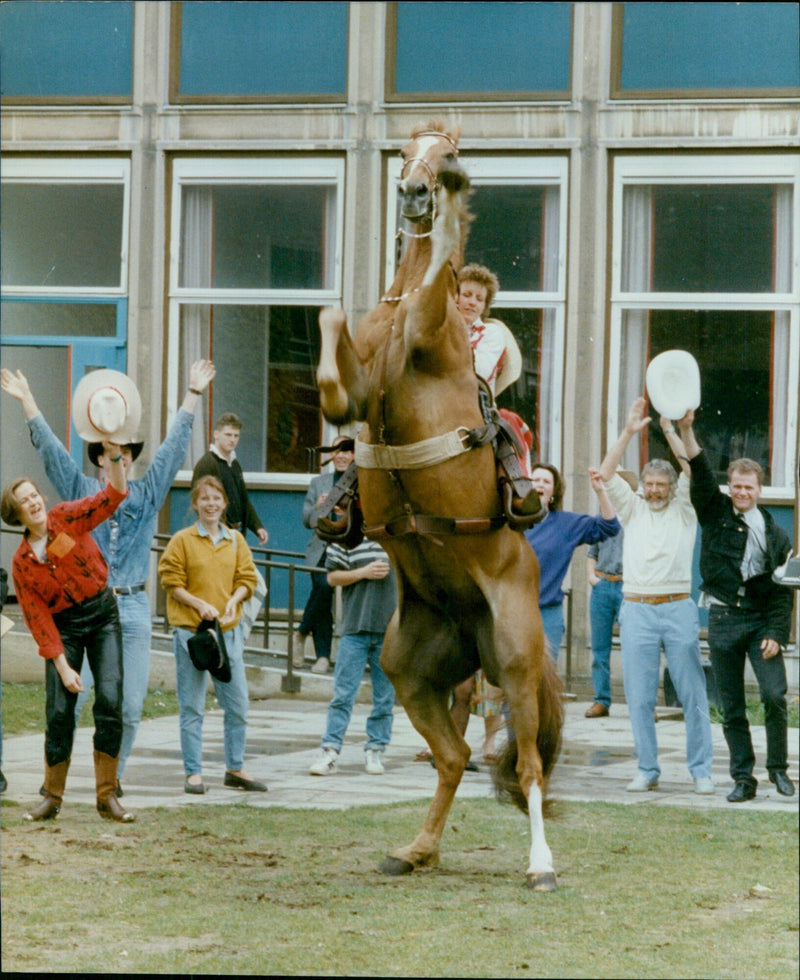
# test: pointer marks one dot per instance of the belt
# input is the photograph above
(607, 576)
(128, 589)
(656, 600)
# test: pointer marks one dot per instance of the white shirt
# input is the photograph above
(488, 343)
(658, 546)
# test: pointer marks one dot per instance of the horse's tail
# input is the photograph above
(548, 741)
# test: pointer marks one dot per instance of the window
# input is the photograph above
(475, 51)
(519, 232)
(259, 52)
(64, 242)
(74, 52)
(706, 49)
(703, 255)
(255, 255)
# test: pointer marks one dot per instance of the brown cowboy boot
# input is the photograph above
(55, 779)
(108, 806)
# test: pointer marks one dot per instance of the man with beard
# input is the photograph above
(657, 610)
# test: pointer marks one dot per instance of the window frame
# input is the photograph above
(619, 94)
(540, 170)
(77, 171)
(176, 97)
(390, 76)
(52, 99)
(273, 170)
(712, 169)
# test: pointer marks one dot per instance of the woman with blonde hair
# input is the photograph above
(207, 571)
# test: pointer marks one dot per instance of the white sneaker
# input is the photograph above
(641, 784)
(372, 762)
(326, 763)
(320, 665)
(704, 786)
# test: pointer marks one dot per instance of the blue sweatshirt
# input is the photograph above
(555, 538)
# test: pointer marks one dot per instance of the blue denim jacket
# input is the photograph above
(125, 538)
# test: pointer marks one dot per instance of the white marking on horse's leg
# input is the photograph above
(446, 233)
(541, 860)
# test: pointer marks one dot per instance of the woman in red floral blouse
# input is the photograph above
(60, 580)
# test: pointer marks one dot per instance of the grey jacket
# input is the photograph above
(315, 549)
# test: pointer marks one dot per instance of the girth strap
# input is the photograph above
(427, 452)
(428, 524)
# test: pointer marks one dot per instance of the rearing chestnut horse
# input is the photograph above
(467, 584)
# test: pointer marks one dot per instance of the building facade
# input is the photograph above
(199, 179)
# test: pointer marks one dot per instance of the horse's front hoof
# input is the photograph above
(395, 866)
(542, 882)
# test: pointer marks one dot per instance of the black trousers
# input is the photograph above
(318, 615)
(92, 628)
(734, 636)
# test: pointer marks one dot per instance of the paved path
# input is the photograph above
(596, 763)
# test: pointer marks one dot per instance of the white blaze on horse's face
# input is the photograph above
(418, 178)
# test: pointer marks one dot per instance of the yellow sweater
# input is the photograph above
(211, 572)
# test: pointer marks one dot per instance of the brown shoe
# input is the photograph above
(596, 710)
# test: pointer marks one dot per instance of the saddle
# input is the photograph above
(521, 504)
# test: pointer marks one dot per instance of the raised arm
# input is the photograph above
(606, 507)
(635, 422)
(676, 442)
(15, 383)
(201, 374)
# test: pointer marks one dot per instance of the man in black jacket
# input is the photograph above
(749, 614)
(221, 461)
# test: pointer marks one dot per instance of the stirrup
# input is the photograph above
(521, 512)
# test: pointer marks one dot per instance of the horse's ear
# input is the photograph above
(455, 134)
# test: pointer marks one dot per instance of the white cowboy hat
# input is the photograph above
(673, 383)
(106, 406)
(511, 368)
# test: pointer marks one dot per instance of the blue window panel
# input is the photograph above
(483, 47)
(675, 46)
(66, 49)
(278, 48)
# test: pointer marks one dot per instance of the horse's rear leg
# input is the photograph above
(525, 718)
(531, 686)
(428, 710)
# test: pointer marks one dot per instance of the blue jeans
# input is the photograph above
(356, 650)
(553, 623)
(733, 636)
(644, 629)
(233, 698)
(134, 615)
(604, 604)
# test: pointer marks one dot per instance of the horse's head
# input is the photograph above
(430, 158)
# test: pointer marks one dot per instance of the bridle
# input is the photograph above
(403, 232)
(434, 180)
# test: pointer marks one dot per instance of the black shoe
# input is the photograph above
(3, 783)
(239, 782)
(42, 790)
(783, 784)
(196, 788)
(741, 792)
(118, 790)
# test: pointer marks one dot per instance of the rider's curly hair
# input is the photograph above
(484, 277)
